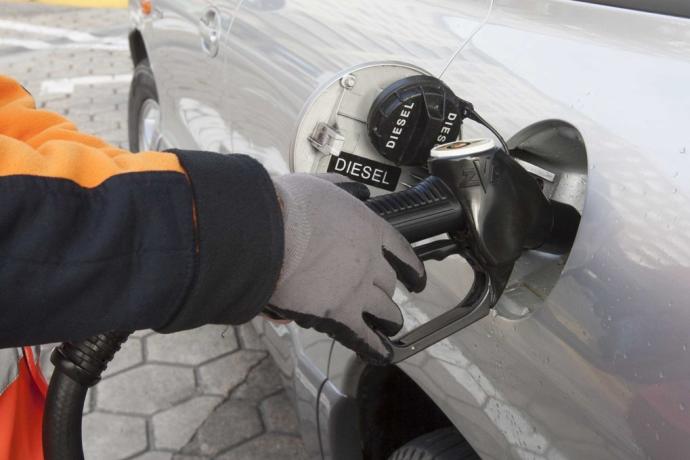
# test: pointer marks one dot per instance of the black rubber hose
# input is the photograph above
(62, 418)
(78, 366)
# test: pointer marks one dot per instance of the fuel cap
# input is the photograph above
(411, 116)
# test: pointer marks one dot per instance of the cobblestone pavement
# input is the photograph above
(212, 392)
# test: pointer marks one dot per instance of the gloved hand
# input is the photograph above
(341, 263)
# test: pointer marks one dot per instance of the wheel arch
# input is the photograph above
(393, 410)
(137, 47)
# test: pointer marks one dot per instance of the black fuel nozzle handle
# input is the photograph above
(492, 208)
(425, 210)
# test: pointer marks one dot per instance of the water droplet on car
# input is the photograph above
(681, 406)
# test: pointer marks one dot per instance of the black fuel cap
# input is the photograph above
(411, 116)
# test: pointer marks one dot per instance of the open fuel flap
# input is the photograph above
(399, 130)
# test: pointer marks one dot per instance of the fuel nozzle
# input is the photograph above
(505, 210)
(491, 208)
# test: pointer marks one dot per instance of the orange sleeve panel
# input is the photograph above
(42, 143)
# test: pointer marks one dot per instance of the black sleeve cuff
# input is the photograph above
(239, 232)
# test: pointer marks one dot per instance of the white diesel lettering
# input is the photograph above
(340, 165)
(359, 170)
(400, 122)
(377, 175)
(447, 125)
(365, 170)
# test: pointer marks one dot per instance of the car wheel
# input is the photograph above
(443, 444)
(144, 114)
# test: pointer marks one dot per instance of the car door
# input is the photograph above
(183, 44)
(278, 56)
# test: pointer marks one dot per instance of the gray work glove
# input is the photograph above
(341, 263)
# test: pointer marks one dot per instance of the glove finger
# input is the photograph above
(400, 255)
(381, 313)
(385, 277)
(357, 335)
(356, 189)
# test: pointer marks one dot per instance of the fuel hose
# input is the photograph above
(78, 366)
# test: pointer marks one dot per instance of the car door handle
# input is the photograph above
(210, 27)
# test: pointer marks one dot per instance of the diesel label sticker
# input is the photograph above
(366, 171)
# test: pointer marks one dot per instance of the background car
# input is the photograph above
(586, 354)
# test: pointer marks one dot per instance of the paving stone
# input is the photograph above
(262, 381)
(145, 389)
(220, 376)
(173, 428)
(192, 347)
(249, 338)
(111, 118)
(231, 423)
(278, 415)
(110, 436)
(271, 446)
(129, 356)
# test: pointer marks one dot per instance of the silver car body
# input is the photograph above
(585, 356)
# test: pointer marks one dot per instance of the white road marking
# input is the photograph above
(66, 85)
(23, 43)
(73, 35)
(41, 45)
(80, 40)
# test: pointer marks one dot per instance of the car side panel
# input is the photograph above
(598, 367)
(188, 78)
(277, 56)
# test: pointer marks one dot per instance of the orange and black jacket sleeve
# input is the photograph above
(94, 238)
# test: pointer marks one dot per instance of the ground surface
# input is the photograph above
(208, 393)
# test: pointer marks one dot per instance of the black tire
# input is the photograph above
(443, 444)
(143, 87)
